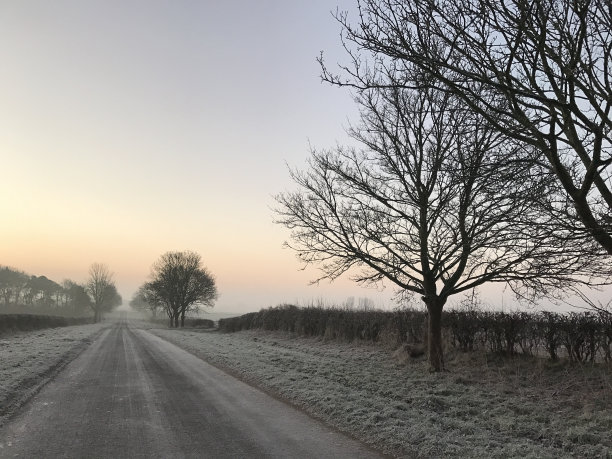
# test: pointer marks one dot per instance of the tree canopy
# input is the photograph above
(180, 283)
(540, 72)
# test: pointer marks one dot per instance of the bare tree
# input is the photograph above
(147, 301)
(100, 287)
(180, 282)
(433, 202)
(539, 71)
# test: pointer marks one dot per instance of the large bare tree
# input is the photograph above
(180, 283)
(434, 202)
(101, 289)
(539, 71)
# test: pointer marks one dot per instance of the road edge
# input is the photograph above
(275, 395)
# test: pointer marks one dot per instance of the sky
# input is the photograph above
(133, 128)
(129, 128)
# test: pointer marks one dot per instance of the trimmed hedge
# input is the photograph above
(10, 323)
(199, 323)
(581, 337)
(334, 323)
(190, 322)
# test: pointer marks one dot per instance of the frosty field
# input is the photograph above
(29, 359)
(482, 407)
(479, 408)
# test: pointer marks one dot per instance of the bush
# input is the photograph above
(465, 327)
(605, 321)
(581, 336)
(10, 323)
(199, 323)
(548, 328)
(335, 323)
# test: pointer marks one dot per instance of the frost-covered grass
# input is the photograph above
(29, 359)
(481, 407)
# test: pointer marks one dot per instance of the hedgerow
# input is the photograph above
(581, 337)
(190, 322)
(10, 323)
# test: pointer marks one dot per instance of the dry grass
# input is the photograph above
(482, 407)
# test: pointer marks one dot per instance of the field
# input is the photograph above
(482, 407)
(29, 359)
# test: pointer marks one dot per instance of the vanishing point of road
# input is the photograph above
(131, 394)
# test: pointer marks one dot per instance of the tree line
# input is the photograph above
(484, 153)
(21, 292)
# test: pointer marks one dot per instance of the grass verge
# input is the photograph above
(28, 360)
(482, 407)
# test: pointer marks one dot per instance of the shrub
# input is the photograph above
(10, 323)
(581, 336)
(605, 321)
(464, 328)
(335, 323)
(199, 323)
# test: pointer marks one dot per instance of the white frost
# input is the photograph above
(406, 411)
(27, 359)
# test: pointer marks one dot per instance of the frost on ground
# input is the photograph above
(29, 359)
(479, 408)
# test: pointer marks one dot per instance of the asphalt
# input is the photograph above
(133, 395)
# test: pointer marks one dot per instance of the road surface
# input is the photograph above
(131, 394)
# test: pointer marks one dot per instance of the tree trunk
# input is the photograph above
(183, 320)
(176, 320)
(435, 351)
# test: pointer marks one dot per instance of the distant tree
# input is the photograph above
(19, 288)
(12, 283)
(538, 71)
(138, 301)
(20, 281)
(146, 301)
(180, 283)
(101, 289)
(6, 284)
(77, 299)
(41, 292)
(112, 299)
(433, 202)
(47, 291)
(31, 291)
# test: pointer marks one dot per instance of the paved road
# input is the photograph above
(132, 394)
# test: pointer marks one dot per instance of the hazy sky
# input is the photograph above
(131, 128)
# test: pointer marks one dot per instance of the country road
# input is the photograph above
(131, 394)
